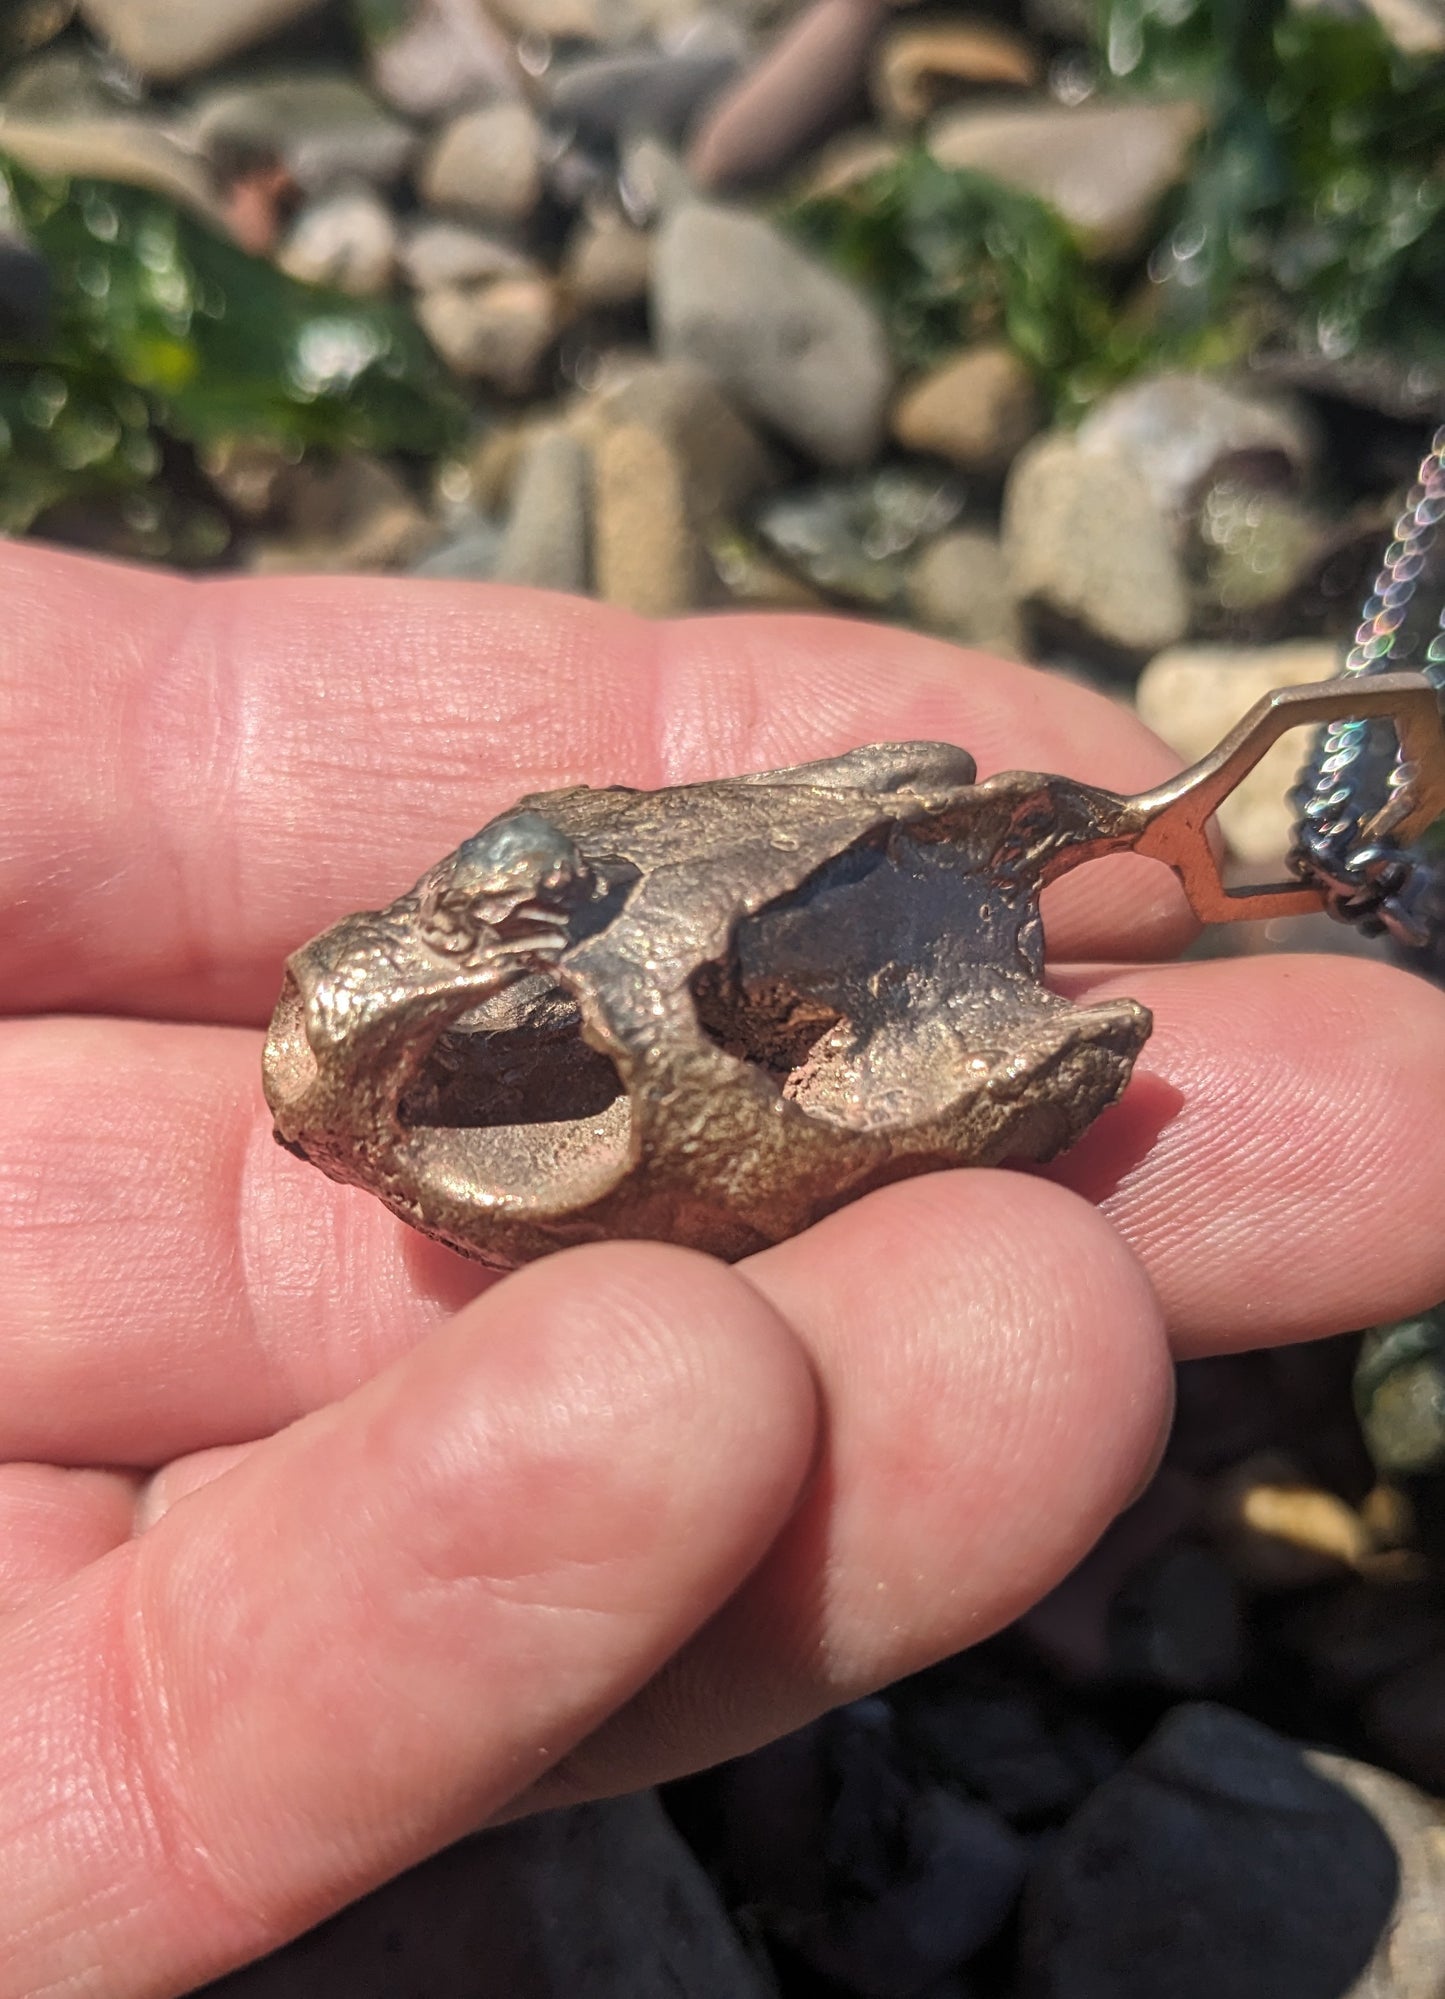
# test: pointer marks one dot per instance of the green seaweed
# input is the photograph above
(165, 337)
(1317, 201)
(954, 257)
(1313, 216)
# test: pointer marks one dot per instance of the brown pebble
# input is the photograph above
(978, 410)
(922, 65)
(799, 90)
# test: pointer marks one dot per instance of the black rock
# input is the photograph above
(1217, 1862)
(600, 1902)
(603, 99)
(881, 1885)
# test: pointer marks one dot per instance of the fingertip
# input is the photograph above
(998, 1370)
(669, 1341)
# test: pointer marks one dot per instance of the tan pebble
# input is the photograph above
(1388, 1516)
(609, 263)
(849, 159)
(1280, 1530)
(492, 467)
(1105, 166)
(166, 41)
(1192, 695)
(977, 410)
(487, 163)
(647, 555)
(499, 334)
(1088, 550)
(922, 64)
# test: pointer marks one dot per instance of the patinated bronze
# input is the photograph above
(713, 1014)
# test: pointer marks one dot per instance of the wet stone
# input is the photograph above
(171, 39)
(437, 56)
(487, 164)
(794, 344)
(1090, 556)
(347, 240)
(854, 537)
(323, 127)
(795, 95)
(1106, 167)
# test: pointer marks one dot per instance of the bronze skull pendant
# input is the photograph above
(713, 1014)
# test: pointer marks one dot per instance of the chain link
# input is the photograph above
(1343, 796)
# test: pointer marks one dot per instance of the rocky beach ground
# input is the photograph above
(1106, 337)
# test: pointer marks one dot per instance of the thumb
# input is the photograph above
(387, 1620)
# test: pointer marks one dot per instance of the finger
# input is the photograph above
(180, 1478)
(464, 1568)
(1278, 1162)
(995, 1386)
(229, 1287)
(194, 777)
(53, 1522)
(170, 1279)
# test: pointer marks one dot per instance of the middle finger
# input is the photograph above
(171, 1280)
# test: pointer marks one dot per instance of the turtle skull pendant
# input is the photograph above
(712, 1014)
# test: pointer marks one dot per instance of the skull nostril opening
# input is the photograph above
(289, 1066)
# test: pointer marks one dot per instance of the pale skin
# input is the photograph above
(319, 1546)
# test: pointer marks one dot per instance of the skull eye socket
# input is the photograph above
(514, 1109)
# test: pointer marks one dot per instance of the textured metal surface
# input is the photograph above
(714, 1013)
(1348, 841)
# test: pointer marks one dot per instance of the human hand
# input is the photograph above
(319, 1547)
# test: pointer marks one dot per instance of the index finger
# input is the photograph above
(194, 777)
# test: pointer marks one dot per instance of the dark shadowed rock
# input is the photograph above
(24, 288)
(1218, 1861)
(600, 1902)
(880, 1884)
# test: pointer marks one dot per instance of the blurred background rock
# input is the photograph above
(1102, 333)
